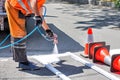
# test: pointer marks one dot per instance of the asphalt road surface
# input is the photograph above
(70, 22)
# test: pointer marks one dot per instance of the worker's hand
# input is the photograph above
(49, 33)
(38, 20)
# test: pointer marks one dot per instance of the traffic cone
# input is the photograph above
(115, 63)
(101, 54)
(85, 54)
(92, 46)
(89, 40)
(90, 35)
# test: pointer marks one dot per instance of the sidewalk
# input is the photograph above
(70, 22)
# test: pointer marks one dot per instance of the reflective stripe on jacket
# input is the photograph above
(24, 5)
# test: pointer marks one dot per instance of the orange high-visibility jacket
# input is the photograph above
(17, 5)
(16, 24)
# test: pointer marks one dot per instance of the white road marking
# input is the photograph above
(2, 59)
(114, 51)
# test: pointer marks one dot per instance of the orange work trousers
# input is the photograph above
(16, 24)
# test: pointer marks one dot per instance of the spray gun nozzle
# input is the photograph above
(55, 39)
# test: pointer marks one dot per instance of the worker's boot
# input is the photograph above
(28, 66)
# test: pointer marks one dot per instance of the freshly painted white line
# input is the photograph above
(114, 51)
(51, 58)
(92, 66)
(3, 59)
(57, 72)
(46, 60)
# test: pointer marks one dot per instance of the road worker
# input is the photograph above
(17, 11)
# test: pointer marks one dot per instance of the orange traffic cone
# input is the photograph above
(102, 54)
(92, 46)
(115, 63)
(90, 35)
(89, 40)
(85, 54)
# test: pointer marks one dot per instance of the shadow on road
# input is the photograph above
(67, 69)
(100, 18)
(65, 43)
(36, 44)
(95, 17)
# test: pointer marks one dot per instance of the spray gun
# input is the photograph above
(55, 39)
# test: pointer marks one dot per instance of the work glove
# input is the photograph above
(38, 20)
(49, 33)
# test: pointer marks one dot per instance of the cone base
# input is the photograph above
(84, 55)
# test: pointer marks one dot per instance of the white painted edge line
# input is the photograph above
(49, 66)
(57, 72)
(114, 51)
(77, 58)
(4, 59)
(92, 66)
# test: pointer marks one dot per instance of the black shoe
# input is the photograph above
(28, 66)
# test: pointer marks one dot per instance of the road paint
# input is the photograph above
(74, 57)
(114, 51)
(46, 60)
(2, 59)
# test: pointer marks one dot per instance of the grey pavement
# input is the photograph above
(70, 22)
